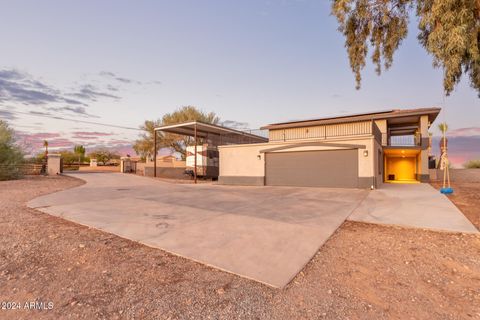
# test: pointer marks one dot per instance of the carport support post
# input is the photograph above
(195, 151)
(154, 153)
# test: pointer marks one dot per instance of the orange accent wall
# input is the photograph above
(402, 168)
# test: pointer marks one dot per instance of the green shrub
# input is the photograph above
(11, 156)
(472, 164)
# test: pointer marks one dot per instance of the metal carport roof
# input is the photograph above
(204, 130)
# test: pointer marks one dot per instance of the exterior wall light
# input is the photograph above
(259, 157)
(365, 153)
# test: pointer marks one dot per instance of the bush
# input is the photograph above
(11, 156)
(472, 164)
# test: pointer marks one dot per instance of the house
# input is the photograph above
(355, 151)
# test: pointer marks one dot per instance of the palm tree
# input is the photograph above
(443, 127)
(45, 144)
(44, 164)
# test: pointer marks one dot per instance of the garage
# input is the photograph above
(325, 168)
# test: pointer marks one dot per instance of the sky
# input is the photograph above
(251, 62)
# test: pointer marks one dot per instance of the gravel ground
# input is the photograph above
(363, 272)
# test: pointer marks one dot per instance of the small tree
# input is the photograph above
(104, 155)
(69, 157)
(10, 154)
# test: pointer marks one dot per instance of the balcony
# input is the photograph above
(411, 140)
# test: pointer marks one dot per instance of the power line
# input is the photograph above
(73, 120)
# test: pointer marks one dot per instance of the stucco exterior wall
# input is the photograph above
(246, 161)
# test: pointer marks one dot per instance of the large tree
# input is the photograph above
(178, 143)
(10, 154)
(104, 155)
(449, 31)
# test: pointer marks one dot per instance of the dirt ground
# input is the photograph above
(465, 195)
(363, 272)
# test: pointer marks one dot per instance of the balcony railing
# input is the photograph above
(413, 140)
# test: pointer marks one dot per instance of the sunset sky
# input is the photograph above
(251, 62)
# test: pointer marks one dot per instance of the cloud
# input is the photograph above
(460, 148)
(90, 135)
(39, 113)
(109, 74)
(8, 115)
(21, 87)
(112, 75)
(39, 136)
(461, 132)
(93, 133)
(90, 92)
(84, 137)
(76, 110)
(235, 124)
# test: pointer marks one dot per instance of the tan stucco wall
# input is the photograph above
(243, 161)
(378, 160)
(53, 167)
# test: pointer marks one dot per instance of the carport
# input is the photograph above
(212, 134)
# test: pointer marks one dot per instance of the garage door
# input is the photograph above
(332, 168)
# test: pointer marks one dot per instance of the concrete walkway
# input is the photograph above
(264, 233)
(412, 205)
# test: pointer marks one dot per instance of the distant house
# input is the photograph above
(355, 151)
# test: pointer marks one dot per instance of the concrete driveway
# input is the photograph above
(264, 233)
(412, 205)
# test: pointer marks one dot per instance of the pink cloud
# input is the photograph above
(60, 143)
(462, 132)
(38, 136)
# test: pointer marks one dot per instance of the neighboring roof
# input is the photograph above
(207, 129)
(396, 113)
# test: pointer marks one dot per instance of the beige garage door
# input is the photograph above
(332, 168)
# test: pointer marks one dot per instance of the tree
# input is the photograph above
(104, 155)
(69, 157)
(45, 144)
(449, 31)
(144, 145)
(10, 154)
(79, 150)
(472, 164)
(443, 127)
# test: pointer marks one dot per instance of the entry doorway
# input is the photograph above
(401, 167)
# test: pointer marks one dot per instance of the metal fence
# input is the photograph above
(412, 140)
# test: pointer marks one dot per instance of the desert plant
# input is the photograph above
(472, 164)
(11, 156)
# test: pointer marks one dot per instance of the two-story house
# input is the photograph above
(355, 151)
